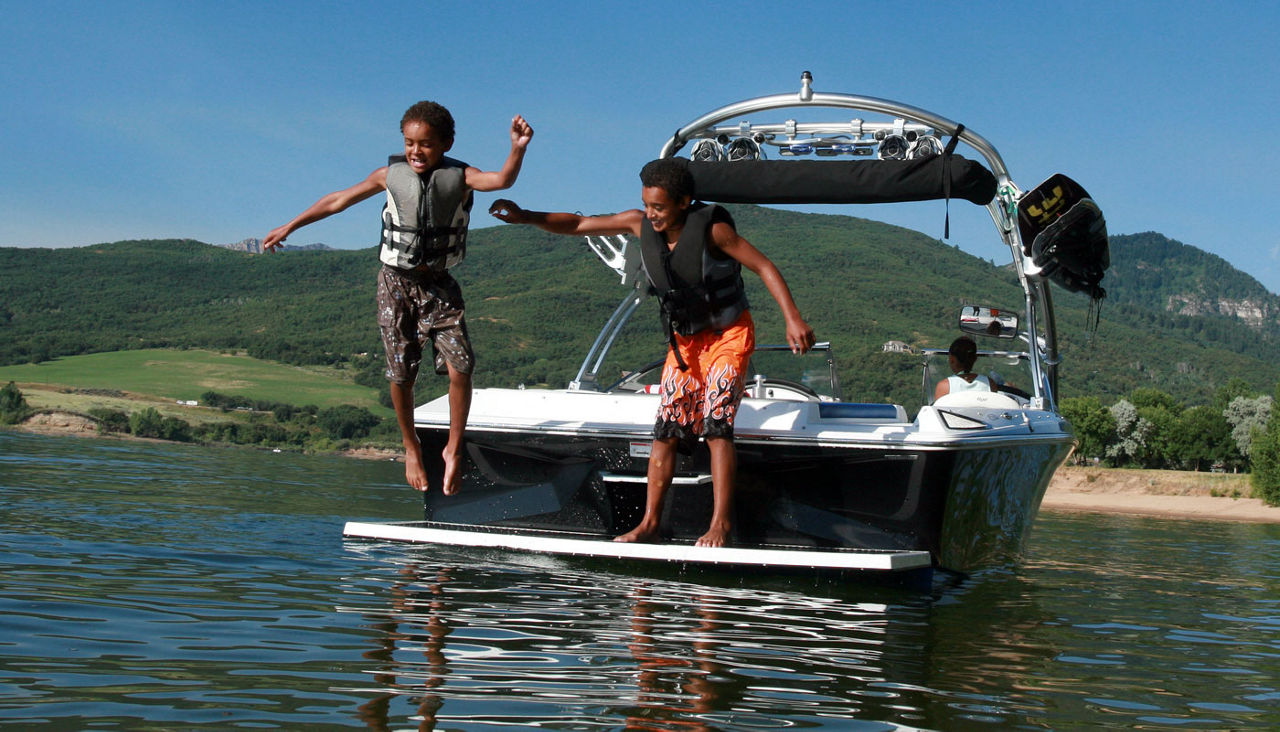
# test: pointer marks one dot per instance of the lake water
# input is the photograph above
(156, 586)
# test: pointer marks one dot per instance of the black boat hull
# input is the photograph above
(969, 508)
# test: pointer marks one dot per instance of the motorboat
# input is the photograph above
(823, 484)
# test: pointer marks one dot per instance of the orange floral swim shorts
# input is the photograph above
(703, 399)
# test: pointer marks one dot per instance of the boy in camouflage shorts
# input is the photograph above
(418, 300)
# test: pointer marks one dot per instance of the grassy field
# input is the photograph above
(171, 375)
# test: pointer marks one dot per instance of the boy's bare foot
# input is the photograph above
(642, 533)
(414, 472)
(452, 471)
(715, 536)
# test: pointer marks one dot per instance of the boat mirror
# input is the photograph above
(982, 320)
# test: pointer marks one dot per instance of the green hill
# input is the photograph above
(189, 374)
(536, 301)
(1157, 272)
(310, 307)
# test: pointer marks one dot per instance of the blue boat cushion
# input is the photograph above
(854, 410)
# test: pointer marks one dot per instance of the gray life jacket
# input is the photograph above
(696, 290)
(424, 221)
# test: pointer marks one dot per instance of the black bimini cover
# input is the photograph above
(841, 181)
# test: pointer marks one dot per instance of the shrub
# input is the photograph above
(13, 406)
(146, 423)
(173, 428)
(110, 420)
(345, 421)
(1265, 451)
(1093, 423)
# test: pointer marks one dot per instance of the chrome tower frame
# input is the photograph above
(857, 137)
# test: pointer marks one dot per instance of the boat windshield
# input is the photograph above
(1010, 371)
(815, 371)
(813, 374)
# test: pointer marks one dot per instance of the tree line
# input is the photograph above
(260, 423)
(1238, 432)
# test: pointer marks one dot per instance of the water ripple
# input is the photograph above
(158, 586)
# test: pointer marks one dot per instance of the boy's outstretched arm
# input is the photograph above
(799, 335)
(626, 222)
(480, 180)
(328, 206)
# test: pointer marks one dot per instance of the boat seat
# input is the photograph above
(990, 399)
(862, 412)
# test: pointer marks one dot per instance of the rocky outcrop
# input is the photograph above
(253, 245)
(1254, 313)
(60, 421)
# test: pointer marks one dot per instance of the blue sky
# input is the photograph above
(219, 121)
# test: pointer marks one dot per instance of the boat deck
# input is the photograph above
(600, 545)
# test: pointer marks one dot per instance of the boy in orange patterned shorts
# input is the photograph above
(693, 257)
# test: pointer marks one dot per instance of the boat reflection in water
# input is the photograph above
(824, 484)
(479, 644)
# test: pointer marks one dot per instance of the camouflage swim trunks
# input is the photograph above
(703, 399)
(417, 306)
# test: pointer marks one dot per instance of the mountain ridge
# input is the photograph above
(536, 301)
(1155, 271)
(253, 245)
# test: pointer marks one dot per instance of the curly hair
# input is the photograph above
(670, 174)
(432, 114)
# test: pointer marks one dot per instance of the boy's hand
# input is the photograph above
(799, 336)
(275, 238)
(521, 132)
(508, 211)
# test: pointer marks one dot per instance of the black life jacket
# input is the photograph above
(697, 290)
(1065, 233)
(424, 221)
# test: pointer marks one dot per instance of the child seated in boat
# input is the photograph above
(419, 302)
(693, 256)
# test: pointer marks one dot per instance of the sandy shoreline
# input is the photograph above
(1160, 493)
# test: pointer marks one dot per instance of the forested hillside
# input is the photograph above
(1156, 272)
(536, 301)
(302, 308)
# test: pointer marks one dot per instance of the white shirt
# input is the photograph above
(956, 384)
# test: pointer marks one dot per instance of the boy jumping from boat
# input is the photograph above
(693, 257)
(424, 233)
